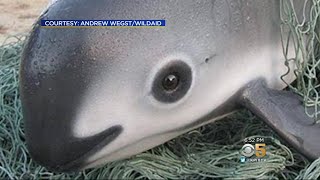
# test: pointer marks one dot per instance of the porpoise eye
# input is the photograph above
(172, 82)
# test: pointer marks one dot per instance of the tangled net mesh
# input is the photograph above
(211, 151)
(304, 36)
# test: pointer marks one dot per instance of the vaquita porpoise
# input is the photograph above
(96, 95)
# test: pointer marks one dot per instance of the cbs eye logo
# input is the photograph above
(248, 150)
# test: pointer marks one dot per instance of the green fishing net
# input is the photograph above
(304, 35)
(211, 151)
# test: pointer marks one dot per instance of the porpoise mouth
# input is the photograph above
(72, 153)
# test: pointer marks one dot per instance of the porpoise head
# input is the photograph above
(92, 96)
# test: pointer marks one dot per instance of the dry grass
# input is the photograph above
(17, 16)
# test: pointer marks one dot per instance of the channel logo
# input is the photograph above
(249, 150)
(253, 152)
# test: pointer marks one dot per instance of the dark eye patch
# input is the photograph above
(172, 82)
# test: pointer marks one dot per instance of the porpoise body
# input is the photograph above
(92, 96)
